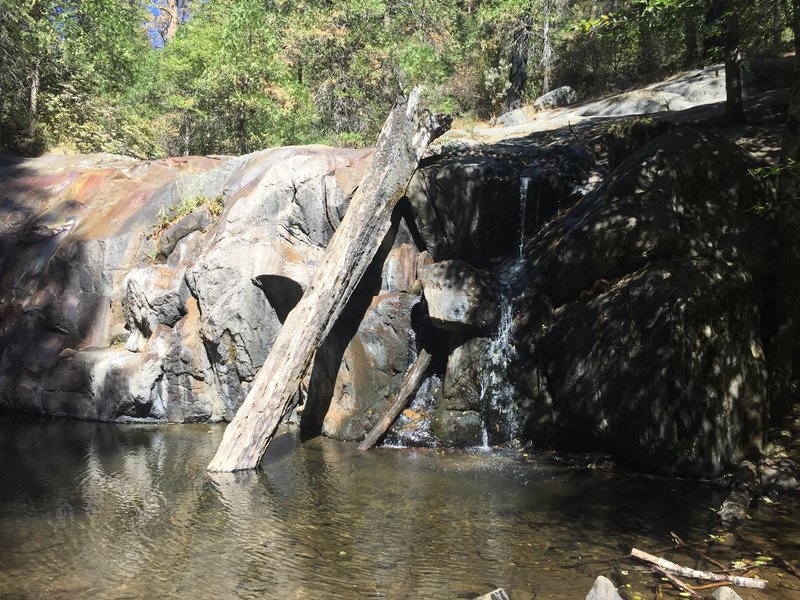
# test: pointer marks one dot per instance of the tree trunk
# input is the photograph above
(777, 26)
(547, 50)
(172, 24)
(647, 50)
(34, 104)
(734, 108)
(403, 139)
(690, 36)
(712, 39)
(782, 372)
(518, 76)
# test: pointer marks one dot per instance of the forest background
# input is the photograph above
(175, 77)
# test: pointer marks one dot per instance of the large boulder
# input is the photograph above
(74, 227)
(561, 96)
(460, 297)
(637, 322)
(283, 207)
(200, 321)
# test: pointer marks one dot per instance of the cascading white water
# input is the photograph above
(497, 391)
(524, 183)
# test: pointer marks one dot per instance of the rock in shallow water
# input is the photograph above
(725, 593)
(603, 589)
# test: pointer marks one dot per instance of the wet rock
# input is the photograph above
(80, 284)
(458, 428)
(467, 205)
(725, 593)
(460, 297)
(779, 475)
(463, 386)
(562, 96)
(370, 370)
(63, 293)
(400, 270)
(603, 589)
(498, 594)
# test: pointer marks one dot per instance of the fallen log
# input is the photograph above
(676, 582)
(733, 511)
(403, 139)
(410, 384)
(748, 582)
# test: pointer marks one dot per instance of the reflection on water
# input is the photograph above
(109, 511)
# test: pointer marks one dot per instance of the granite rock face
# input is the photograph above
(638, 326)
(562, 305)
(561, 96)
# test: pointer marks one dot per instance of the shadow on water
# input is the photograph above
(108, 511)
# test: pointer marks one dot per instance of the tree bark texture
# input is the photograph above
(734, 108)
(403, 139)
(34, 99)
(690, 36)
(172, 23)
(518, 76)
(547, 50)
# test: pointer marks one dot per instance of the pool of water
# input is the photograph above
(90, 510)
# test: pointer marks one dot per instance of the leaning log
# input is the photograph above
(410, 384)
(404, 137)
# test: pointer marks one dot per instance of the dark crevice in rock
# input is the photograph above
(282, 293)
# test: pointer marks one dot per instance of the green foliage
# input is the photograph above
(240, 75)
(187, 205)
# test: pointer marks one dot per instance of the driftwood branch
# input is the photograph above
(403, 139)
(410, 384)
(677, 582)
(748, 582)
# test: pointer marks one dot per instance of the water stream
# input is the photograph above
(91, 510)
(524, 183)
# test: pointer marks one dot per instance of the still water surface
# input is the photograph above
(91, 510)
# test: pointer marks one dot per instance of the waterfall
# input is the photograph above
(524, 183)
(497, 392)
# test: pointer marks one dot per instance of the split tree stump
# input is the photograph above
(403, 139)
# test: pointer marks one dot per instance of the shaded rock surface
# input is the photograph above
(652, 323)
